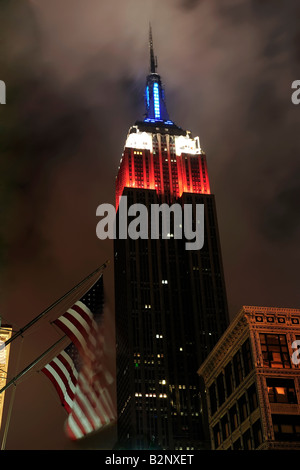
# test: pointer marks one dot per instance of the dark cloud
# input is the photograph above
(265, 7)
(265, 108)
(274, 47)
(296, 43)
(280, 222)
(189, 4)
(234, 12)
(75, 79)
(285, 30)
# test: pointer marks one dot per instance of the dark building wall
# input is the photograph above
(171, 309)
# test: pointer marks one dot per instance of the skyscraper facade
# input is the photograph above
(171, 305)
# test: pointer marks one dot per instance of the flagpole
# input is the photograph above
(15, 379)
(30, 366)
(36, 319)
(12, 399)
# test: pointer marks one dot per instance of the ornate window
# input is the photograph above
(274, 350)
(281, 390)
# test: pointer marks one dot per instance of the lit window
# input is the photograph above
(281, 390)
(274, 350)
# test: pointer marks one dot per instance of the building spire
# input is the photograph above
(156, 110)
(153, 59)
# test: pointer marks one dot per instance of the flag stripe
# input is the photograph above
(69, 365)
(88, 328)
(69, 326)
(55, 378)
(80, 324)
(73, 429)
(76, 422)
(79, 373)
(93, 397)
(86, 316)
(64, 377)
(79, 410)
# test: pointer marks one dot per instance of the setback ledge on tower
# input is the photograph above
(161, 127)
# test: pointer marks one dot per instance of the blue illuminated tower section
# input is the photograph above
(156, 110)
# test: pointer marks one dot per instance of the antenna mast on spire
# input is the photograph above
(153, 60)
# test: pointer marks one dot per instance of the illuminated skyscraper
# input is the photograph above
(171, 305)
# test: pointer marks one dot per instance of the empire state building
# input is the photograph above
(171, 305)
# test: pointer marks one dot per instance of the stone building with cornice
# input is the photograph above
(252, 382)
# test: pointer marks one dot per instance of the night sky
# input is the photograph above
(75, 73)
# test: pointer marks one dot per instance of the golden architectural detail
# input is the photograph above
(5, 334)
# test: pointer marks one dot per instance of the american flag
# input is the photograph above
(79, 372)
